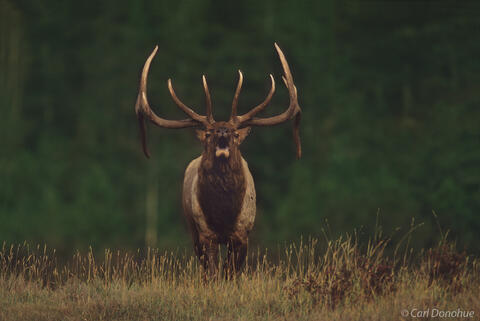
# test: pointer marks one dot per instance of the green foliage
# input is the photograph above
(388, 90)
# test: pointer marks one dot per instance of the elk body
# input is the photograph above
(218, 190)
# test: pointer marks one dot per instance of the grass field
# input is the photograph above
(330, 280)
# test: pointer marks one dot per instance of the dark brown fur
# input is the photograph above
(221, 192)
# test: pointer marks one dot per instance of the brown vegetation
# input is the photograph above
(340, 282)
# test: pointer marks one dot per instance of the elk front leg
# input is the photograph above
(207, 252)
(236, 254)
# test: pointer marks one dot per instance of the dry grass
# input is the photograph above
(340, 282)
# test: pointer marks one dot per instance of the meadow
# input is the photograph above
(312, 280)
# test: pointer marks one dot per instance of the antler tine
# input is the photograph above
(208, 100)
(292, 111)
(233, 116)
(187, 110)
(259, 108)
(143, 110)
(296, 134)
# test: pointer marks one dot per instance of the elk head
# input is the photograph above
(220, 139)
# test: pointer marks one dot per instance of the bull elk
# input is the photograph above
(218, 190)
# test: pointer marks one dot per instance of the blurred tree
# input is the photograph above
(389, 93)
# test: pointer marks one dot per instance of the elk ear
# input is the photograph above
(242, 134)
(201, 135)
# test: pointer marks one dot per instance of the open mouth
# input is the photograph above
(222, 150)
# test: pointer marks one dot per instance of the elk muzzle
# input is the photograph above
(222, 138)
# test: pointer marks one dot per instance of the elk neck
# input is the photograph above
(221, 190)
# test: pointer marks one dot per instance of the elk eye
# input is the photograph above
(237, 135)
(207, 134)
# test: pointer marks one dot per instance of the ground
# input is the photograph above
(337, 281)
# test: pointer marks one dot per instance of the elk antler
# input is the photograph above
(292, 111)
(233, 116)
(143, 110)
(208, 101)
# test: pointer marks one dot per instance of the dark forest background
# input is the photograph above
(390, 92)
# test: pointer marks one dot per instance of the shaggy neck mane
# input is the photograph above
(221, 191)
